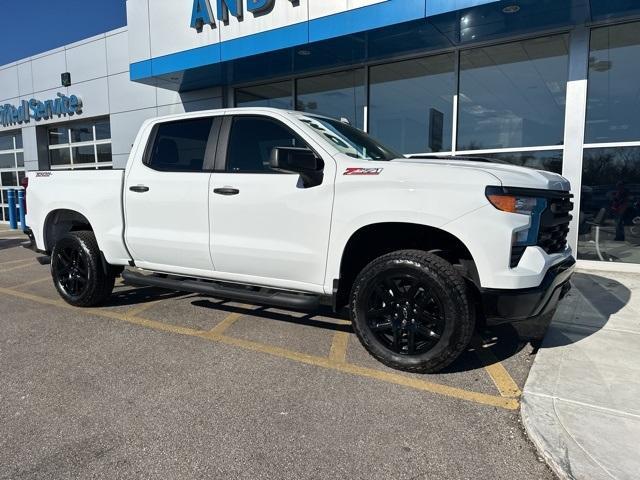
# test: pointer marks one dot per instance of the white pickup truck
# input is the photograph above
(296, 210)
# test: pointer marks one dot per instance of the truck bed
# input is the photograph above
(95, 194)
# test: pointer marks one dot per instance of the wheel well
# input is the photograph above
(60, 222)
(372, 241)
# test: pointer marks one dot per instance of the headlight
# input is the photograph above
(513, 203)
(521, 203)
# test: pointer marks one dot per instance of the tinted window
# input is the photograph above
(411, 104)
(613, 101)
(6, 142)
(276, 95)
(82, 132)
(513, 95)
(610, 205)
(180, 146)
(339, 95)
(251, 141)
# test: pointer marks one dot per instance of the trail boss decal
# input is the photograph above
(43, 174)
(363, 171)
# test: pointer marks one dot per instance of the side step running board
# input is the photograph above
(296, 301)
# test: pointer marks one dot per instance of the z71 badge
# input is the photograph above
(363, 171)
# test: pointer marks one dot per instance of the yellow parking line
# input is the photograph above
(132, 312)
(226, 322)
(32, 282)
(501, 378)
(324, 362)
(476, 397)
(338, 352)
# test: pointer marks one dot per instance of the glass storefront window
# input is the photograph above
(550, 160)
(103, 130)
(411, 103)
(338, 95)
(613, 100)
(58, 135)
(6, 142)
(11, 168)
(273, 95)
(7, 160)
(610, 205)
(513, 95)
(84, 154)
(80, 145)
(104, 152)
(82, 132)
(60, 156)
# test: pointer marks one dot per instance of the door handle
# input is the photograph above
(139, 188)
(226, 191)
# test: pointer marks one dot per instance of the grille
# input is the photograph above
(554, 223)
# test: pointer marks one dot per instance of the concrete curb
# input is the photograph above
(579, 405)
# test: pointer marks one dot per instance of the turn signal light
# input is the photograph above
(506, 203)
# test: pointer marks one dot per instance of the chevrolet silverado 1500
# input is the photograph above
(296, 210)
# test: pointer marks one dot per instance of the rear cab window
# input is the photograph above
(183, 145)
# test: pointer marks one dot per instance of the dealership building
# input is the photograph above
(548, 84)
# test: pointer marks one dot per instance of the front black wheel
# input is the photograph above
(77, 270)
(410, 309)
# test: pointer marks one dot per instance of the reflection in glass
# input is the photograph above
(411, 104)
(82, 132)
(9, 179)
(20, 159)
(58, 135)
(550, 160)
(18, 140)
(60, 156)
(610, 205)
(7, 160)
(613, 101)
(6, 142)
(273, 95)
(104, 152)
(103, 130)
(337, 95)
(84, 154)
(513, 95)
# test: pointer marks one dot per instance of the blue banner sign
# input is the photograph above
(39, 110)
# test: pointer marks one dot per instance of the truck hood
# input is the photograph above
(508, 175)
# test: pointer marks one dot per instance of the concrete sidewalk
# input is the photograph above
(581, 402)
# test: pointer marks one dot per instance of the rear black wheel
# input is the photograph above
(77, 270)
(410, 310)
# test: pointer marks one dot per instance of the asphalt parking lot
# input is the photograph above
(165, 385)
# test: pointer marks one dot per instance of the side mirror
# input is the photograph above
(298, 160)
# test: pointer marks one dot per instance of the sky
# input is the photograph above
(35, 26)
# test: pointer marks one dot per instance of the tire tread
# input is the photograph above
(447, 272)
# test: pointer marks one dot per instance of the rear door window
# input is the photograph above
(184, 145)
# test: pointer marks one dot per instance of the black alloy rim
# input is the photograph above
(403, 313)
(72, 270)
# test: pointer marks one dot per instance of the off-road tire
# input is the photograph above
(444, 283)
(99, 284)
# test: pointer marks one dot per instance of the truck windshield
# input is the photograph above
(349, 140)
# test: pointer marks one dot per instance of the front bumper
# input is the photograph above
(503, 305)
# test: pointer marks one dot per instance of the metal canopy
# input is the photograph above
(202, 68)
